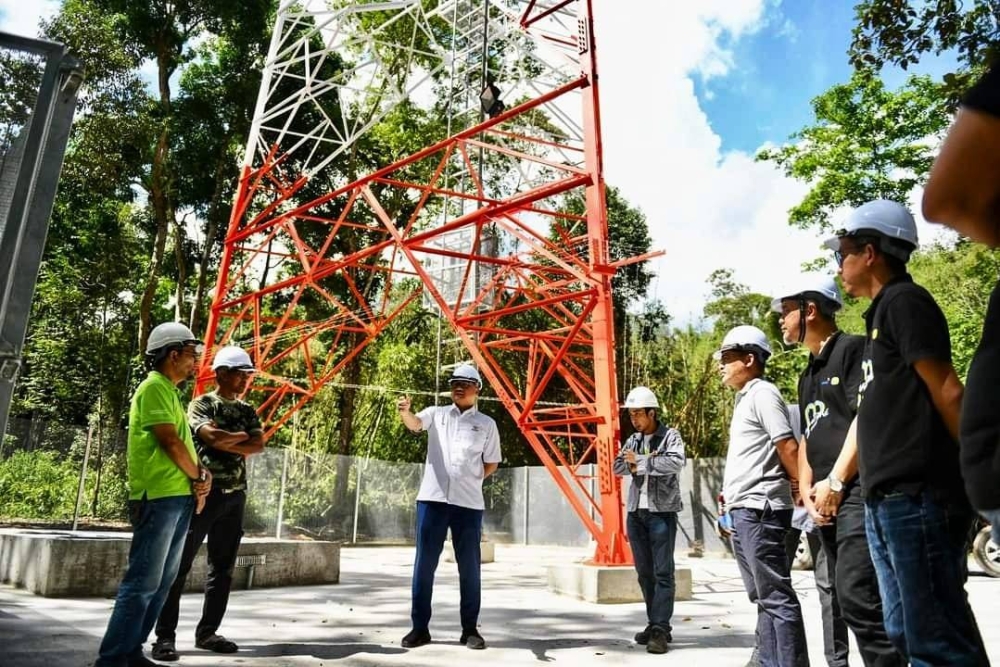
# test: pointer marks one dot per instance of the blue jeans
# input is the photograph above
(759, 544)
(652, 536)
(919, 546)
(433, 522)
(158, 531)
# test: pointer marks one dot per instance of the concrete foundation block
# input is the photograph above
(607, 584)
(67, 564)
(487, 551)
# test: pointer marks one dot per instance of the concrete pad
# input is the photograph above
(487, 551)
(607, 584)
(359, 622)
(79, 564)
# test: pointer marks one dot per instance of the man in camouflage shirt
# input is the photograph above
(226, 431)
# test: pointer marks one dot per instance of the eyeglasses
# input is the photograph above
(858, 245)
(463, 384)
(729, 356)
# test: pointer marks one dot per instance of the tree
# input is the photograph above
(867, 143)
(161, 31)
(733, 304)
(901, 32)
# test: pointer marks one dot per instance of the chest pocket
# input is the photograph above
(470, 440)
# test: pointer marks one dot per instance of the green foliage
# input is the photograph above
(867, 143)
(901, 32)
(36, 485)
(733, 304)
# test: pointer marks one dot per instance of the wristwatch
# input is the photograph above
(836, 485)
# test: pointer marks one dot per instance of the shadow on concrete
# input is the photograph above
(33, 640)
(321, 651)
(541, 647)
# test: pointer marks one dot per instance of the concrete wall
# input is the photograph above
(539, 513)
(63, 564)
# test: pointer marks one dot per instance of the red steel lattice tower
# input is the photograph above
(479, 223)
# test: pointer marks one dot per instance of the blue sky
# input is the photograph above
(728, 76)
(800, 52)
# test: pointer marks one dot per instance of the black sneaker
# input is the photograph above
(657, 640)
(415, 638)
(216, 644)
(473, 639)
(642, 638)
(164, 650)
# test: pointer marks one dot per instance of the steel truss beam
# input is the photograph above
(485, 235)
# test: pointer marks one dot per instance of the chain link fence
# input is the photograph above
(54, 474)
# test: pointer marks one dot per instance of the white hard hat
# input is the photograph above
(745, 338)
(233, 357)
(466, 373)
(890, 220)
(171, 333)
(641, 397)
(807, 284)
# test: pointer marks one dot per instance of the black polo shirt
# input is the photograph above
(980, 411)
(828, 399)
(903, 444)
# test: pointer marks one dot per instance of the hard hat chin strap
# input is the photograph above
(802, 319)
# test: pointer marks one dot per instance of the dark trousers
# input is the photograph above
(759, 544)
(433, 522)
(222, 522)
(845, 546)
(836, 645)
(919, 545)
(652, 536)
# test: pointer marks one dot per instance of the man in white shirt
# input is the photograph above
(463, 449)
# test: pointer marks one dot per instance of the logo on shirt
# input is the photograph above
(813, 413)
(868, 374)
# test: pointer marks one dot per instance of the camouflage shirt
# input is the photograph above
(229, 471)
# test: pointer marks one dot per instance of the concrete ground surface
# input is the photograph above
(361, 620)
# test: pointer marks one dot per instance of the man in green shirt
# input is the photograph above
(226, 431)
(166, 482)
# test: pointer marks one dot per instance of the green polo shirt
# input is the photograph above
(150, 470)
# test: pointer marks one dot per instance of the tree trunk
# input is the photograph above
(181, 271)
(211, 232)
(159, 196)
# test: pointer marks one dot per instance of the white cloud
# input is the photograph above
(21, 18)
(708, 209)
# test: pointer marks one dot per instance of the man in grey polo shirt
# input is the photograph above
(761, 471)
